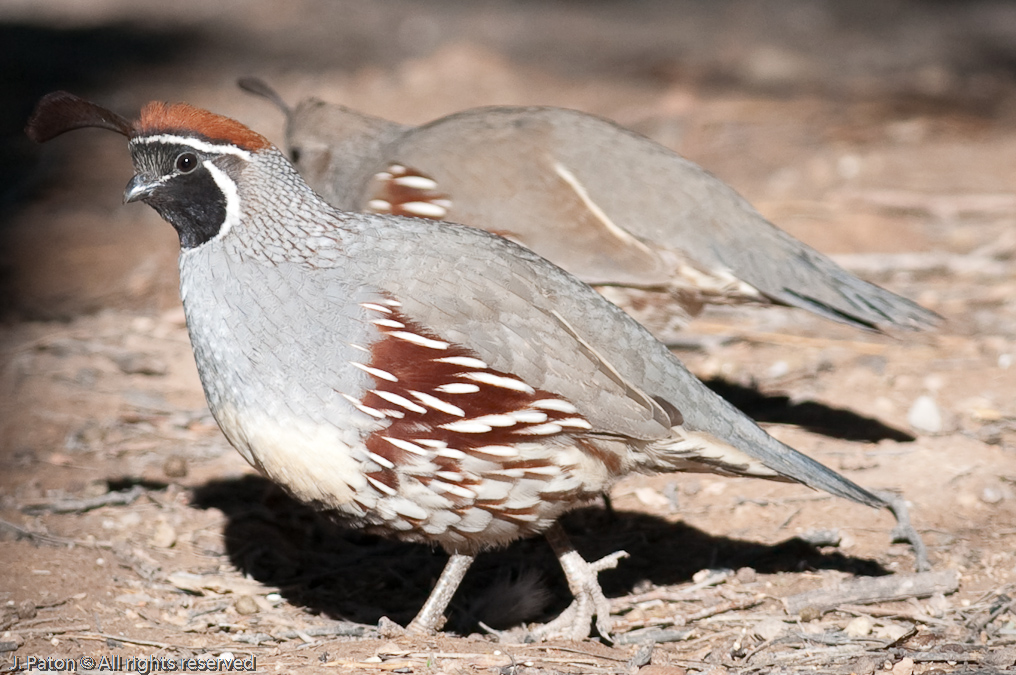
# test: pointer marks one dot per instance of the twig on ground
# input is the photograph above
(122, 498)
(201, 584)
(132, 641)
(339, 628)
(714, 578)
(653, 636)
(874, 589)
(919, 617)
(1000, 609)
(51, 539)
(54, 630)
(721, 608)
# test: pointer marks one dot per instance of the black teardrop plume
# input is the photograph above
(60, 112)
(258, 87)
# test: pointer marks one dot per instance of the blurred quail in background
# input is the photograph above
(614, 208)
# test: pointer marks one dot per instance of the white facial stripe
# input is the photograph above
(196, 143)
(229, 191)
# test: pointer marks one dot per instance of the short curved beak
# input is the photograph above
(138, 188)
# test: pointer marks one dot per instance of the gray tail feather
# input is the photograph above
(735, 428)
(839, 295)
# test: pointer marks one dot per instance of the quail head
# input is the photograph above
(428, 382)
(614, 208)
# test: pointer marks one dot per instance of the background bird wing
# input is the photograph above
(613, 206)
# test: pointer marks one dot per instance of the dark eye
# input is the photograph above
(186, 162)
(294, 154)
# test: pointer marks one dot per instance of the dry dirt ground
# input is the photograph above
(884, 132)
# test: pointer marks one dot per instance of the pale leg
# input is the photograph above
(574, 622)
(429, 618)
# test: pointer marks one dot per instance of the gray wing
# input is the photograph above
(574, 187)
(525, 316)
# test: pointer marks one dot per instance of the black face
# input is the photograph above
(187, 195)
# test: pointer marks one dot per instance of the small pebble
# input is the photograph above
(175, 466)
(136, 363)
(27, 610)
(768, 628)
(660, 670)
(859, 627)
(652, 498)
(890, 632)
(11, 641)
(904, 667)
(95, 488)
(937, 606)
(821, 537)
(164, 536)
(866, 665)
(778, 369)
(747, 575)
(246, 605)
(810, 614)
(925, 416)
(991, 495)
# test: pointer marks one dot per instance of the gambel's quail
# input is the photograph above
(428, 382)
(608, 205)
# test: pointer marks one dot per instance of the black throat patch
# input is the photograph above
(191, 201)
(193, 204)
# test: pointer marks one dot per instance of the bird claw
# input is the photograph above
(905, 530)
(573, 623)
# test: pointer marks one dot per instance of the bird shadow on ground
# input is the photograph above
(815, 417)
(346, 574)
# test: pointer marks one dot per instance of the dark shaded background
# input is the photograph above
(644, 62)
